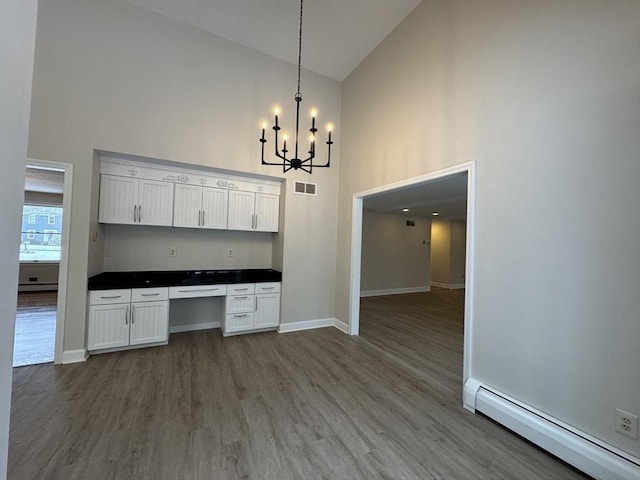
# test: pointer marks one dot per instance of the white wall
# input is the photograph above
(545, 96)
(440, 252)
(393, 254)
(448, 252)
(17, 38)
(147, 248)
(115, 77)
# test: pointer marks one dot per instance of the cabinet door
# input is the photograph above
(118, 199)
(149, 322)
(241, 209)
(267, 210)
(155, 202)
(108, 326)
(187, 206)
(214, 207)
(267, 312)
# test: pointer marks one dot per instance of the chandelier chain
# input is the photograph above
(300, 47)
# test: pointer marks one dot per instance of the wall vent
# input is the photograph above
(411, 223)
(305, 188)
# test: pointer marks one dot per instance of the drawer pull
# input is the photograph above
(267, 288)
(111, 297)
(241, 289)
(240, 298)
(200, 290)
(149, 294)
(241, 316)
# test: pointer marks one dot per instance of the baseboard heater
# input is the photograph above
(588, 454)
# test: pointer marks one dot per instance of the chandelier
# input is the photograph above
(295, 161)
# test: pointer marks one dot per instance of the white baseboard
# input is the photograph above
(340, 325)
(38, 287)
(394, 291)
(592, 456)
(450, 286)
(305, 325)
(193, 327)
(74, 356)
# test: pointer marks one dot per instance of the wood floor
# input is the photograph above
(315, 404)
(34, 340)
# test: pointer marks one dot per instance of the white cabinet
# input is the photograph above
(135, 201)
(253, 211)
(127, 317)
(200, 207)
(251, 307)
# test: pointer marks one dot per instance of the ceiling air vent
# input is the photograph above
(305, 188)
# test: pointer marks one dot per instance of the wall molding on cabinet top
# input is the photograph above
(137, 167)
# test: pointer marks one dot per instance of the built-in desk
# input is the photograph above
(131, 309)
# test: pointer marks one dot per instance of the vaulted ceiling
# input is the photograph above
(337, 34)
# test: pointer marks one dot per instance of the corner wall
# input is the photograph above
(545, 97)
(17, 38)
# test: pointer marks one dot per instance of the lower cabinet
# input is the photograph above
(251, 307)
(127, 317)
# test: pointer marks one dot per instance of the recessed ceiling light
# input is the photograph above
(435, 214)
(405, 209)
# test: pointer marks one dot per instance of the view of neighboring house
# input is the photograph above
(41, 233)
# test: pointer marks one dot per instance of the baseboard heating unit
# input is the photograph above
(586, 453)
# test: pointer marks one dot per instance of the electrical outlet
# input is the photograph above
(230, 252)
(626, 423)
(173, 252)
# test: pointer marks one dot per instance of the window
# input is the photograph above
(37, 243)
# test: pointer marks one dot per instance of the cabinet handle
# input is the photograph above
(256, 305)
(149, 294)
(133, 311)
(126, 316)
(139, 213)
(241, 289)
(240, 298)
(135, 208)
(203, 218)
(254, 223)
(112, 296)
(201, 290)
(241, 316)
(266, 288)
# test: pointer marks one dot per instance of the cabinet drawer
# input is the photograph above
(239, 321)
(268, 287)
(240, 303)
(106, 297)
(193, 291)
(241, 289)
(149, 294)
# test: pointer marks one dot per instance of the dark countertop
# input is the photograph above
(114, 280)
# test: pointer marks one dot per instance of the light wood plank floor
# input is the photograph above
(308, 405)
(34, 340)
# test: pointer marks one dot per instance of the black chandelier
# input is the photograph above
(295, 162)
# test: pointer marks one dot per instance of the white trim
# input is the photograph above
(74, 356)
(450, 286)
(587, 453)
(193, 327)
(356, 249)
(340, 325)
(394, 291)
(63, 269)
(305, 325)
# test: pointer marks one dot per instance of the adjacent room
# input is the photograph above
(299, 239)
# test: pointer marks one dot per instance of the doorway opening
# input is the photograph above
(398, 190)
(44, 256)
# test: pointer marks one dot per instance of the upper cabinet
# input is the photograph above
(253, 211)
(139, 193)
(135, 201)
(200, 207)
